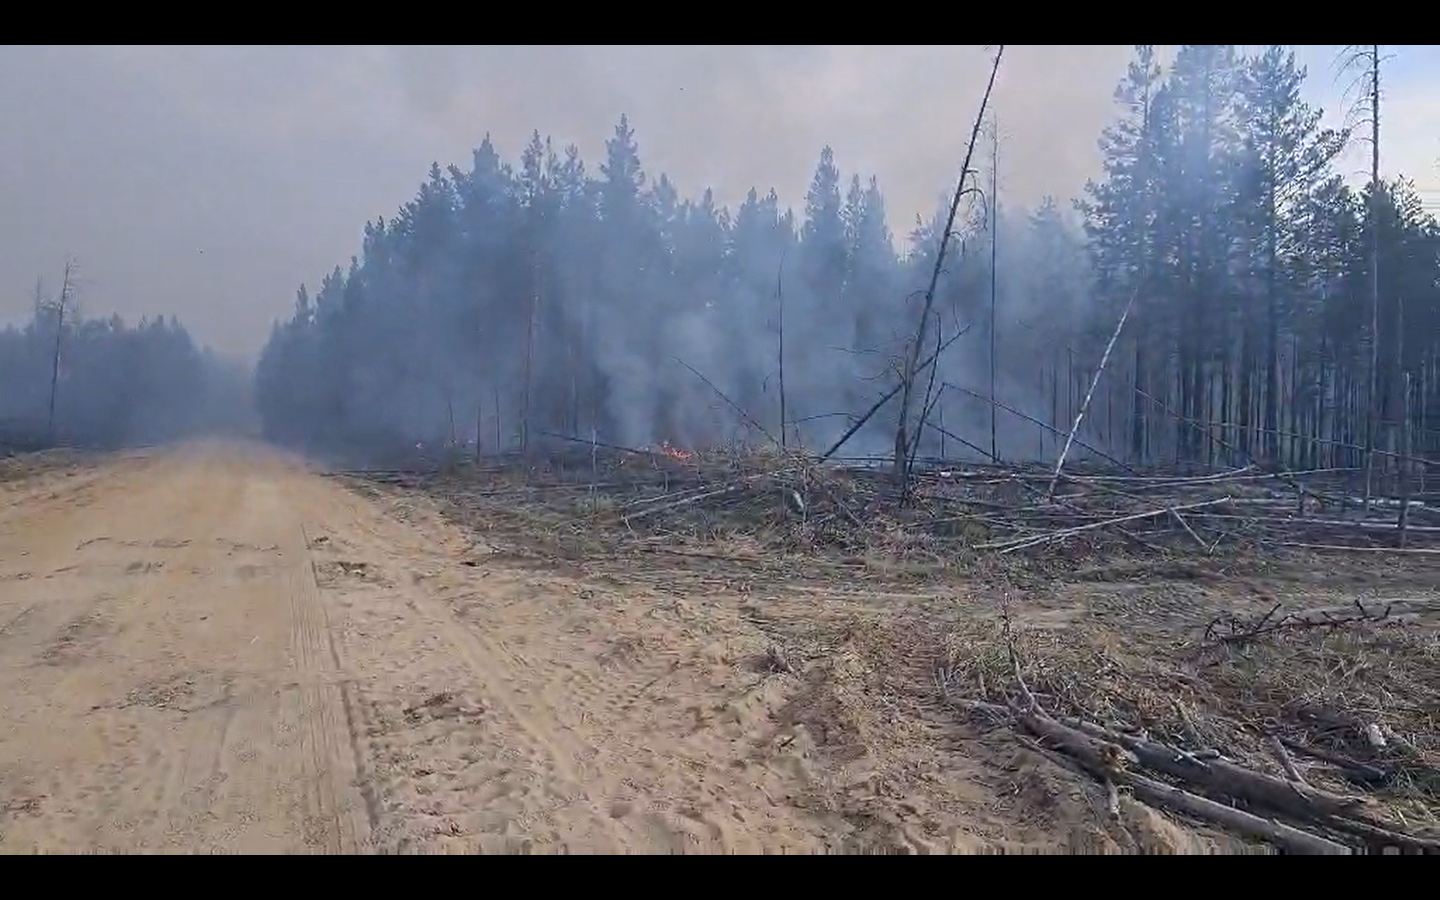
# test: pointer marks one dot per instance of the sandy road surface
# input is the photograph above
(213, 649)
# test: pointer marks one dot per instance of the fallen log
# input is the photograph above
(1354, 771)
(1106, 759)
(1220, 776)
(1109, 756)
(1286, 837)
(1379, 838)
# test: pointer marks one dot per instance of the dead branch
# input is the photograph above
(1023, 543)
(1034, 421)
(887, 397)
(1090, 392)
(749, 419)
(1283, 757)
(1240, 633)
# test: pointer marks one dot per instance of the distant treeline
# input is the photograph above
(113, 384)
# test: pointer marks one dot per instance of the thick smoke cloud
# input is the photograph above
(556, 295)
(134, 159)
(209, 181)
(548, 297)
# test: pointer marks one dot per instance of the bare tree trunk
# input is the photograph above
(1139, 421)
(941, 413)
(1403, 467)
(530, 351)
(994, 256)
(1296, 425)
(572, 417)
(780, 343)
(1426, 370)
(1070, 395)
(1373, 415)
(912, 356)
(1054, 397)
(1398, 406)
(65, 289)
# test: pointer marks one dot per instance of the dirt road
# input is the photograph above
(213, 648)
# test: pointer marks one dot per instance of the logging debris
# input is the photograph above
(1305, 721)
(779, 501)
(1314, 741)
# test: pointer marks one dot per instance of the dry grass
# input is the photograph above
(1312, 688)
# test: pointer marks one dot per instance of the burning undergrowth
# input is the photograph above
(754, 506)
(1016, 522)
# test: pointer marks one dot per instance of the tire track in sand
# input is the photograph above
(530, 713)
(462, 757)
(328, 740)
(198, 708)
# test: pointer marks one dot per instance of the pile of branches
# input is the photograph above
(766, 498)
(786, 500)
(1207, 511)
(1341, 715)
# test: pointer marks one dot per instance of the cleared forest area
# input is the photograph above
(1195, 642)
(1131, 516)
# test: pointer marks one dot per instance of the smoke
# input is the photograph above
(135, 158)
(550, 296)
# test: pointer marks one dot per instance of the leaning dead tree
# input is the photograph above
(67, 285)
(1089, 395)
(904, 435)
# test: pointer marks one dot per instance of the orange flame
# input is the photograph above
(674, 452)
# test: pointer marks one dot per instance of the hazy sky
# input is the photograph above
(271, 159)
